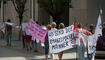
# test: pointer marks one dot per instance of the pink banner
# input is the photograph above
(36, 31)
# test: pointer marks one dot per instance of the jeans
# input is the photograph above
(90, 56)
(36, 45)
(23, 42)
(81, 51)
(8, 37)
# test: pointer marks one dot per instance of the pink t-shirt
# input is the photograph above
(84, 31)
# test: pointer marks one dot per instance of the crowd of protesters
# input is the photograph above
(37, 44)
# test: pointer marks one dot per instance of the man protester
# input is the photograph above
(23, 26)
(8, 30)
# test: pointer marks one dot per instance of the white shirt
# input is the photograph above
(53, 29)
(24, 25)
(27, 32)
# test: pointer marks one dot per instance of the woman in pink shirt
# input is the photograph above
(81, 47)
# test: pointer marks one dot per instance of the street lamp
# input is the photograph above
(32, 10)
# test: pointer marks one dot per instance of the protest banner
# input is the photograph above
(36, 31)
(98, 32)
(98, 29)
(91, 46)
(75, 32)
(60, 40)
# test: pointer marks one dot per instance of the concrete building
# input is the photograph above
(84, 11)
(40, 15)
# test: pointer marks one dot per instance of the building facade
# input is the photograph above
(39, 14)
(84, 11)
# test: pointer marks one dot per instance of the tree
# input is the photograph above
(20, 8)
(55, 7)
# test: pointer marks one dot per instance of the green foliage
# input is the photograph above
(54, 7)
(19, 5)
(20, 9)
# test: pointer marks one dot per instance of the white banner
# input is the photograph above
(98, 29)
(98, 32)
(91, 43)
(60, 40)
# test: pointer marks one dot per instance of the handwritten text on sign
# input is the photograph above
(60, 40)
(37, 31)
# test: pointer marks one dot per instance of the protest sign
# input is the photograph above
(36, 31)
(60, 40)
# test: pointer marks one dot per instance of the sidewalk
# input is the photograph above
(17, 46)
(16, 52)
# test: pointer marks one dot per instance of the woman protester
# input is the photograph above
(47, 43)
(81, 46)
(89, 55)
(60, 54)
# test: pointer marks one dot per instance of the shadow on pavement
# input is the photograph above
(73, 50)
(50, 59)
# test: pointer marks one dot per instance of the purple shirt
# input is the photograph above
(100, 42)
(8, 28)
